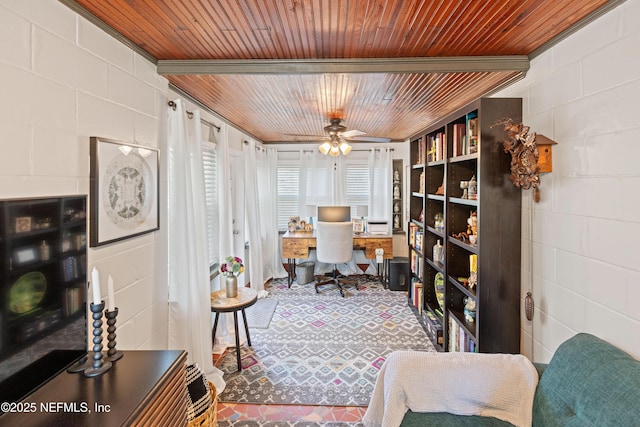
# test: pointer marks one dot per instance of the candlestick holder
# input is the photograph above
(99, 366)
(112, 353)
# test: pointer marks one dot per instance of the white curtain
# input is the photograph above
(268, 195)
(189, 308)
(380, 200)
(380, 180)
(253, 211)
(225, 334)
(316, 180)
(339, 181)
(264, 241)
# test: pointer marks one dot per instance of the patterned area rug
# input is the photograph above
(322, 349)
(259, 315)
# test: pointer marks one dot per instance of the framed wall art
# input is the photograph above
(124, 191)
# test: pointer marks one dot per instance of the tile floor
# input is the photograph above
(235, 413)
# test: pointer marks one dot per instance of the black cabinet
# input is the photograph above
(144, 388)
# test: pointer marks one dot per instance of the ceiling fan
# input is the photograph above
(339, 135)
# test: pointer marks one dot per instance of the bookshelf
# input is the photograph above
(463, 203)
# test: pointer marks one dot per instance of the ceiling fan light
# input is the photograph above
(335, 151)
(324, 148)
(345, 148)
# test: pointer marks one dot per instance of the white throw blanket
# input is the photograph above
(492, 385)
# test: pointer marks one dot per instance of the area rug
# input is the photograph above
(259, 315)
(323, 349)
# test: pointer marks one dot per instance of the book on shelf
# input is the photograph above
(437, 146)
(459, 340)
(417, 294)
(413, 262)
(473, 263)
(434, 327)
(459, 140)
(416, 263)
(70, 268)
(73, 300)
(420, 157)
(414, 230)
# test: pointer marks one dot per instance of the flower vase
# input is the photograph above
(232, 286)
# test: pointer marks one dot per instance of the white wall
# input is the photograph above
(64, 80)
(585, 238)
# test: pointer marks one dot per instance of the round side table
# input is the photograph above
(221, 304)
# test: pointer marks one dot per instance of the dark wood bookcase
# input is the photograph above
(467, 145)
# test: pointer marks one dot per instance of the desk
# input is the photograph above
(221, 304)
(297, 245)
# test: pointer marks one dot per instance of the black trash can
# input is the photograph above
(399, 274)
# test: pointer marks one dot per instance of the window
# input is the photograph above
(288, 183)
(210, 166)
(357, 185)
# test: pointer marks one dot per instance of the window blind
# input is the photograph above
(357, 186)
(210, 166)
(288, 182)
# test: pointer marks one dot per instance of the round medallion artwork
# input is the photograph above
(127, 196)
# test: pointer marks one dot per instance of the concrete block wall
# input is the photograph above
(580, 244)
(64, 80)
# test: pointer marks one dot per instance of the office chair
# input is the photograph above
(334, 244)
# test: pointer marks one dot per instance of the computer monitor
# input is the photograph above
(334, 213)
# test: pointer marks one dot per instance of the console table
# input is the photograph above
(144, 388)
(297, 245)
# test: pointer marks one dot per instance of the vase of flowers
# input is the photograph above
(230, 269)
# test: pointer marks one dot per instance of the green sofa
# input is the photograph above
(588, 382)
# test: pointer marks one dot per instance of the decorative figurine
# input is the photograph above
(473, 188)
(438, 222)
(464, 185)
(469, 309)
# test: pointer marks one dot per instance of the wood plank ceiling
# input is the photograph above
(280, 69)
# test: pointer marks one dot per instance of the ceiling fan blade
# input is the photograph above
(352, 133)
(369, 139)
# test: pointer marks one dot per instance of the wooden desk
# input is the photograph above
(221, 304)
(144, 388)
(297, 245)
